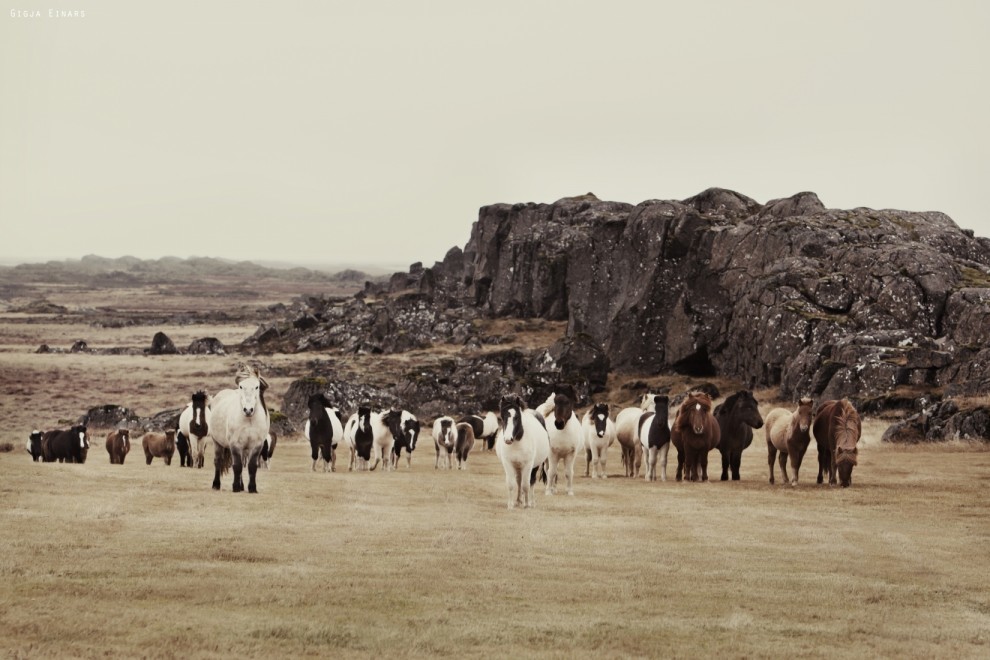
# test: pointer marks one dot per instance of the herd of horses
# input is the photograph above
(531, 443)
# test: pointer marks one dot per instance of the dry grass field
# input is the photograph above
(101, 560)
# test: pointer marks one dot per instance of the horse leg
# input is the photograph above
(771, 457)
(238, 466)
(831, 470)
(513, 484)
(662, 455)
(602, 456)
(703, 461)
(680, 463)
(587, 468)
(552, 475)
(735, 458)
(795, 466)
(726, 460)
(783, 467)
(218, 465)
(569, 471)
(253, 471)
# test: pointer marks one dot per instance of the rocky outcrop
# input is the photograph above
(206, 346)
(818, 301)
(939, 421)
(162, 345)
(824, 302)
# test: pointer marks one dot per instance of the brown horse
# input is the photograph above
(837, 429)
(790, 434)
(159, 444)
(694, 434)
(118, 444)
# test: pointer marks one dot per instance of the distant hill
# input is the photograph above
(131, 271)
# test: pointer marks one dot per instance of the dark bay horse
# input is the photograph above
(694, 434)
(837, 429)
(737, 417)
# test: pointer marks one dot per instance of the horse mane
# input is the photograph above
(847, 426)
(246, 371)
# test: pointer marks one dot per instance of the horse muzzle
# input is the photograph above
(248, 412)
(698, 430)
(559, 424)
(601, 434)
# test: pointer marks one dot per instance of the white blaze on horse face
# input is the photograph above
(697, 406)
(196, 413)
(82, 440)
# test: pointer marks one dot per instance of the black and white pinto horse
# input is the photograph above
(523, 446)
(484, 428)
(654, 435)
(239, 426)
(324, 430)
(194, 426)
(34, 445)
(564, 435)
(404, 428)
(445, 441)
(599, 434)
(268, 449)
(362, 433)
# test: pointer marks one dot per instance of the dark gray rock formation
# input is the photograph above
(110, 416)
(206, 346)
(162, 345)
(817, 301)
(943, 420)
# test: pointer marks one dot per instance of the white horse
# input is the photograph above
(194, 423)
(627, 433)
(522, 444)
(654, 436)
(239, 426)
(599, 434)
(546, 407)
(565, 436)
(445, 441)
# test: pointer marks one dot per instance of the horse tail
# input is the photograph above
(225, 459)
(377, 461)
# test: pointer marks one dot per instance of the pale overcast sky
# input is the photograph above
(371, 132)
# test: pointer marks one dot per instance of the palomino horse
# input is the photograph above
(599, 434)
(737, 417)
(564, 434)
(240, 424)
(522, 444)
(654, 435)
(837, 429)
(194, 424)
(789, 433)
(694, 434)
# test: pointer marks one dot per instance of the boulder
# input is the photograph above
(206, 346)
(162, 345)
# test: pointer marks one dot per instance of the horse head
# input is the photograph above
(661, 404)
(847, 431)
(744, 407)
(804, 414)
(79, 432)
(697, 408)
(364, 418)
(445, 432)
(510, 410)
(599, 415)
(411, 428)
(251, 387)
(393, 421)
(563, 405)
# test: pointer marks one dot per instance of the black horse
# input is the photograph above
(737, 417)
(70, 446)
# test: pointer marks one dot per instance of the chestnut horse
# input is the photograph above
(789, 433)
(694, 434)
(118, 444)
(837, 429)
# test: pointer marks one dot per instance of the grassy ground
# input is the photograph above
(148, 561)
(135, 561)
